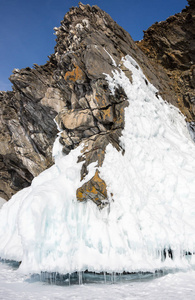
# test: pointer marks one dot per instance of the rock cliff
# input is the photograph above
(72, 89)
(171, 44)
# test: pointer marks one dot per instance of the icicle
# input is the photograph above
(104, 277)
(42, 277)
(114, 277)
(69, 278)
(80, 278)
(163, 271)
(62, 278)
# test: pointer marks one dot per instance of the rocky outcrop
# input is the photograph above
(27, 128)
(95, 190)
(171, 44)
(72, 88)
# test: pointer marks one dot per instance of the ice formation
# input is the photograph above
(2, 201)
(149, 223)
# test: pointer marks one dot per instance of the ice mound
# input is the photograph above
(149, 223)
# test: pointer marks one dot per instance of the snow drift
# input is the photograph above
(149, 222)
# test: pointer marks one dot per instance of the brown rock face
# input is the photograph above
(171, 44)
(27, 128)
(72, 88)
(94, 189)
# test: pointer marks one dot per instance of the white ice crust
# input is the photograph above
(151, 211)
(2, 201)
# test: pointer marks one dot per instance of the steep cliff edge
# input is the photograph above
(171, 44)
(72, 88)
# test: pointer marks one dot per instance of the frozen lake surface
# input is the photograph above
(14, 285)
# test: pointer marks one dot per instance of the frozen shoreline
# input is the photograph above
(14, 285)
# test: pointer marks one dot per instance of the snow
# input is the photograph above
(113, 61)
(2, 201)
(14, 285)
(149, 222)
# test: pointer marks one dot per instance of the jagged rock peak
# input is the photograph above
(84, 19)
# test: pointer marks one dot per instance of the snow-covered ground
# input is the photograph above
(176, 286)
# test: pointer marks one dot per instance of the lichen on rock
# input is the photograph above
(95, 190)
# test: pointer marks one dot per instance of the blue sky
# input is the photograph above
(26, 26)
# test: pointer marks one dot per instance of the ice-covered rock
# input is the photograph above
(148, 220)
